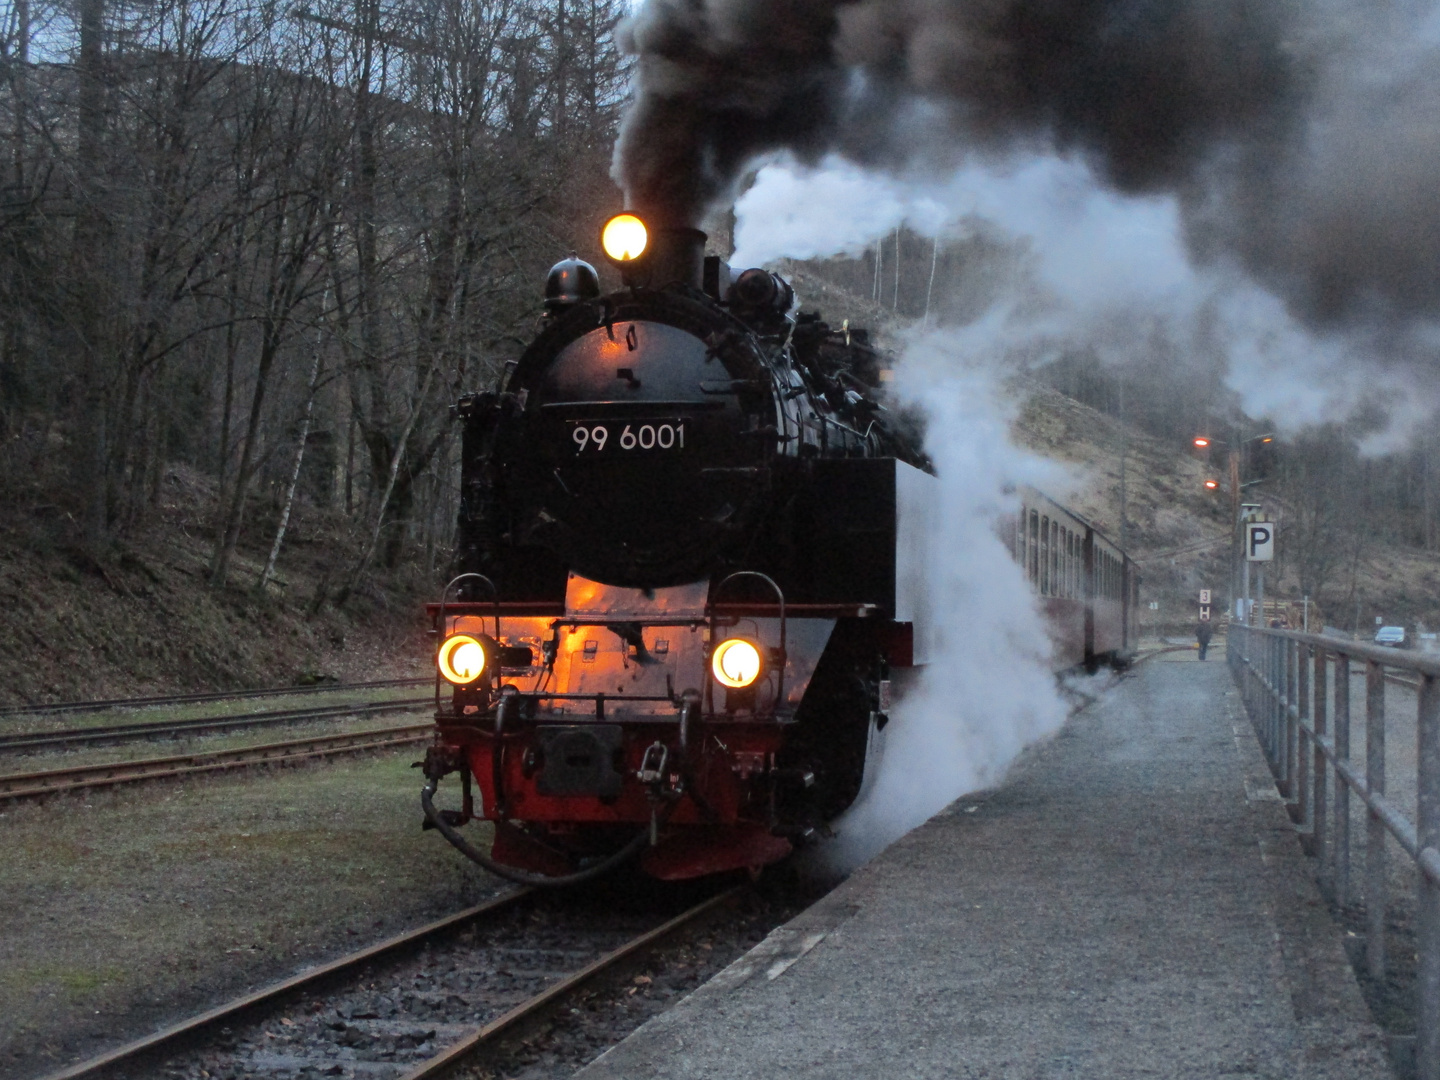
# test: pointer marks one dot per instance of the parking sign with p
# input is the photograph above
(1260, 541)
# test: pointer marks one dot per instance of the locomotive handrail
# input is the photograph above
(606, 620)
(494, 603)
(440, 617)
(710, 607)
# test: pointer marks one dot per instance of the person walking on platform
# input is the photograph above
(1203, 633)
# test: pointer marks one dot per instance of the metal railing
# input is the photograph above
(1302, 717)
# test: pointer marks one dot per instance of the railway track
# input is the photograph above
(39, 740)
(191, 699)
(453, 988)
(33, 785)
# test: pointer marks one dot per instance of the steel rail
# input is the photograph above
(185, 699)
(456, 1053)
(123, 732)
(176, 1033)
(57, 781)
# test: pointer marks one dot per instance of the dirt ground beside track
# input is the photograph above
(126, 909)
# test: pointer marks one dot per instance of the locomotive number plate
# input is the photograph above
(630, 436)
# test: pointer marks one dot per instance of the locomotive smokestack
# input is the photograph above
(654, 254)
(677, 256)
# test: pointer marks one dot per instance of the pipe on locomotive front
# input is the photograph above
(525, 877)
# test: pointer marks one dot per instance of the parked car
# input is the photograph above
(1393, 636)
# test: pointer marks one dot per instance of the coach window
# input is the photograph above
(1045, 548)
(1069, 564)
(1019, 551)
(1065, 562)
(1059, 559)
(1076, 566)
(1033, 567)
(1054, 551)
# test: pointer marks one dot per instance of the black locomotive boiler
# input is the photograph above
(689, 560)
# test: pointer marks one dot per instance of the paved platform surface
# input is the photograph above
(1132, 902)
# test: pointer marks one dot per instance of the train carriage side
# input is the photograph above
(1086, 585)
(1112, 616)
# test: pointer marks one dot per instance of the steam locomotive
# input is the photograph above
(690, 569)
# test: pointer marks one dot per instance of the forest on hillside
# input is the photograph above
(274, 242)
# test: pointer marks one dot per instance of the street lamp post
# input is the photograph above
(1234, 455)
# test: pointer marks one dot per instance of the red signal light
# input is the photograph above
(1202, 442)
(1211, 485)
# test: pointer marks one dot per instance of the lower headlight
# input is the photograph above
(735, 663)
(461, 659)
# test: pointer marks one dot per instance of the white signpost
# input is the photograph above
(1260, 541)
(1259, 548)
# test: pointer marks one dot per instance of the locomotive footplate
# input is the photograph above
(579, 759)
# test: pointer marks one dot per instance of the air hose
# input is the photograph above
(524, 877)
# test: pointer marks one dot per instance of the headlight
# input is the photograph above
(736, 663)
(461, 659)
(624, 238)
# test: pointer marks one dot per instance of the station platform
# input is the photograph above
(1132, 901)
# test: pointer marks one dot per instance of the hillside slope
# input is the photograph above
(140, 618)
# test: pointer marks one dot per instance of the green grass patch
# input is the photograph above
(155, 902)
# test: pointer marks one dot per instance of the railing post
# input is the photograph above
(1318, 693)
(1267, 667)
(1282, 707)
(1375, 881)
(1282, 717)
(1293, 781)
(1342, 789)
(1302, 741)
(1427, 923)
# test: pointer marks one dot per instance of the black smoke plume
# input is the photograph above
(1143, 87)
(1300, 138)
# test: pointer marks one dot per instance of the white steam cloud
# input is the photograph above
(1105, 272)
(1094, 269)
(991, 691)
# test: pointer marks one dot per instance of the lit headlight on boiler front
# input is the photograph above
(735, 663)
(461, 659)
(624, 239)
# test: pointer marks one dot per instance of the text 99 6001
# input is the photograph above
(630, 436)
